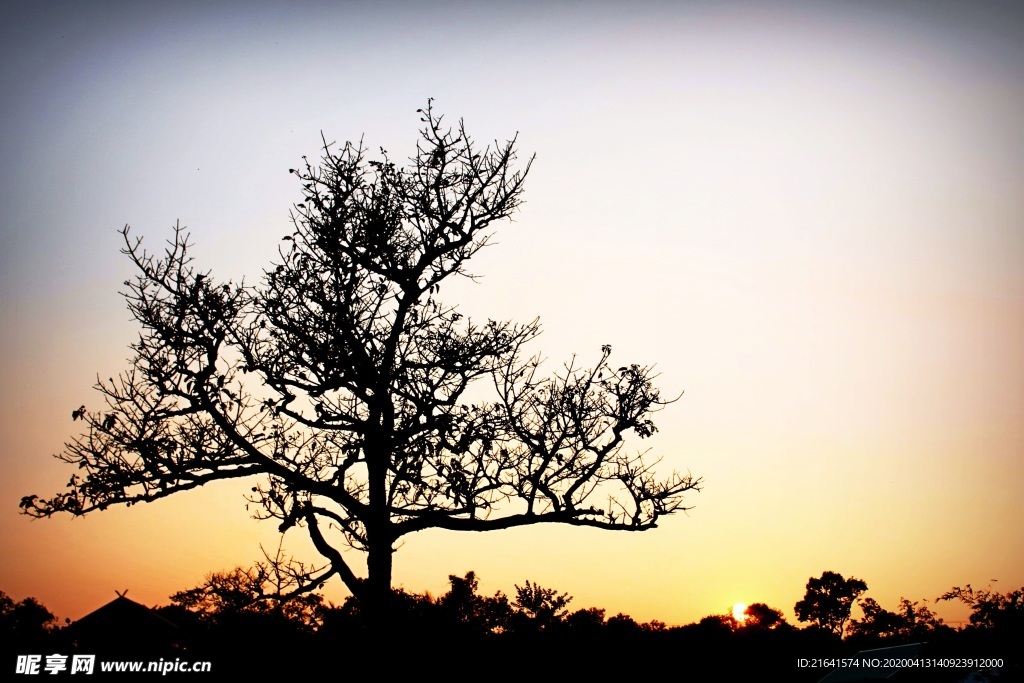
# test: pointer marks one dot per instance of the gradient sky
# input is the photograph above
(810, 216)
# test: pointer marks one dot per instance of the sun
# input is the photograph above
(739, 612)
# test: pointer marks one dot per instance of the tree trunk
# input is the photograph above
(378, 531)
(378, 587)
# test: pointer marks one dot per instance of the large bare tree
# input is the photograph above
(340, 382)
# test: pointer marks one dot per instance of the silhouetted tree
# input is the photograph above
(919, 622)
(480, 614)
(25, 622)
(997, 625)
(586, 622)
(990, 609)
(910, 623)
(761, 616)
(721, 623)
(257, 590)
(341, 380)
(828, 601)
(544, 607)
(877, 622)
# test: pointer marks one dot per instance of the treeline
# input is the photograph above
(241, 620)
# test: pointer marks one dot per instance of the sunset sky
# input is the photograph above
(808, 215)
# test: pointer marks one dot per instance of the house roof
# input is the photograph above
(124, 616)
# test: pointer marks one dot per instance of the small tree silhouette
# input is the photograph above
(341, 380)
(912, 622)
(267, 588)
(828, 601)
(542, 606)
(990, 609)
(479, 614)
(760, 616)
(25, 622)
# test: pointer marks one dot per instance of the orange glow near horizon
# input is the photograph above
(809, 219)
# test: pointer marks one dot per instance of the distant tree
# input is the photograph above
(654, 626)
(623, 626)
(342, 382)
(234, 590)
(910, 623)
(828, 601)
(481, 614)
(877, 622)
(720, 623)
(462, 601)
(265, 589)
(544, 607)
(586, 622)
(989, 609)
(761, 616)
(24, 621)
